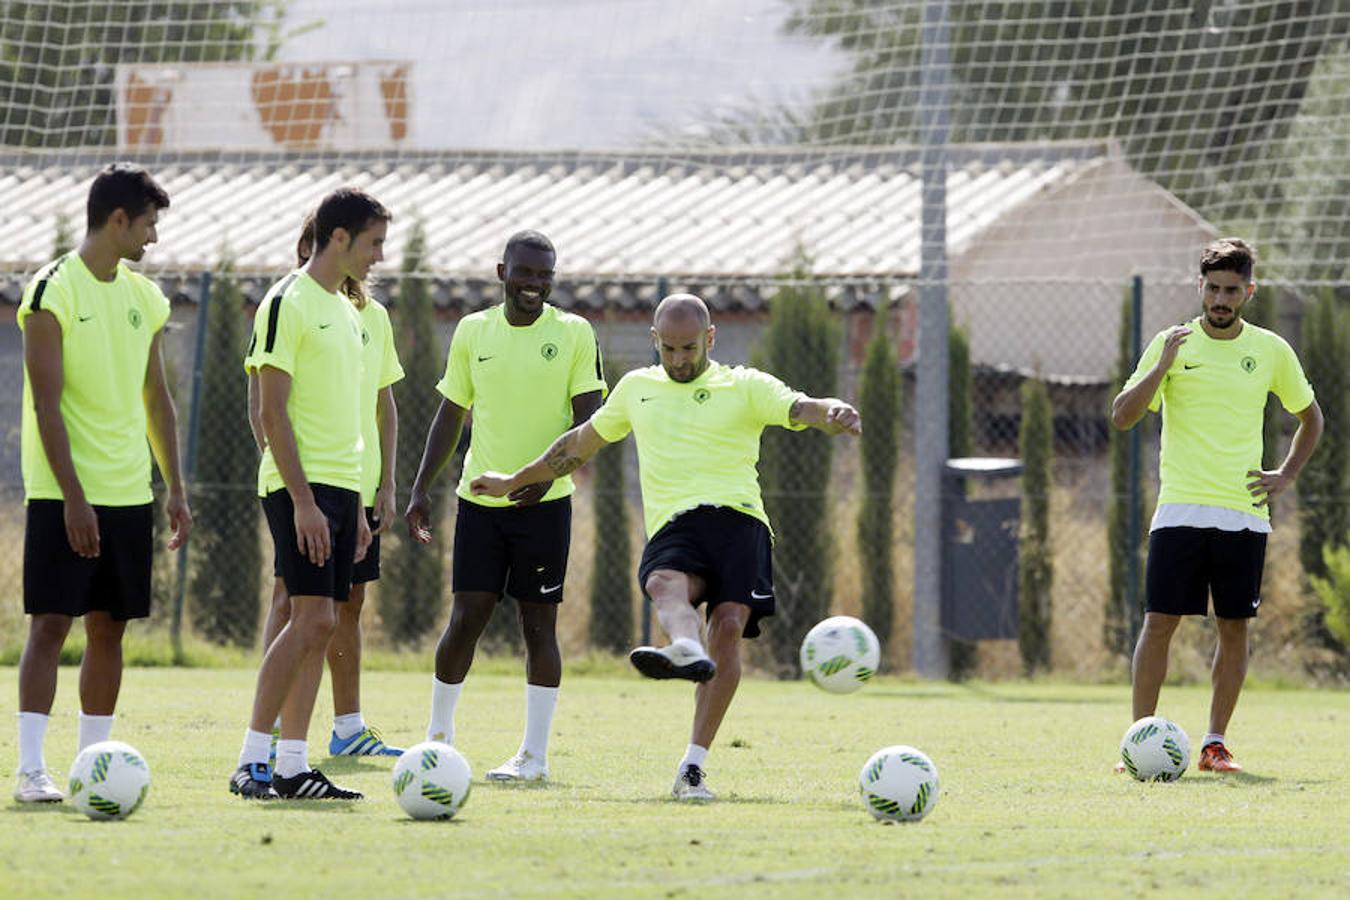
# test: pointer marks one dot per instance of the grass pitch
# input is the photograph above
(1028, 804)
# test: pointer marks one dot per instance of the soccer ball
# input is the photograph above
(432, 780)
(1154, 749)
(109, 780)
(899, 784)
(840, 654)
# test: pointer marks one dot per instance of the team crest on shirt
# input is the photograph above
(701, 395)
(134, 317)
(1249, 364)
(549, 351)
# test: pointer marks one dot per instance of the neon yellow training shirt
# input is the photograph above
(107, 328)
(315, 337)
(520, 382)
(380, 368)
(697, 441)
(1212, 400)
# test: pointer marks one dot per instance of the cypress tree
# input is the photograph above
(963, 656)
(611, 624)
(1325, 515)
(1035, 566)
(879, 400)
(1116, 625)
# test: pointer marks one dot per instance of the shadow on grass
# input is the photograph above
(355, 765)
(985, 693)
(38, 809)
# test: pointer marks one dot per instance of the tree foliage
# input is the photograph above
(879, 399)
(1034, 558)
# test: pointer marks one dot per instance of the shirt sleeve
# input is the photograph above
(612, 421)
(771, 400)
(456, 385)
(278, 329)
(1290, 383)
(157, 305)
(587, 368)
(391, 370)
(1149, 359)
(45, 293)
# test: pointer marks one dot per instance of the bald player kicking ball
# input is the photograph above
(697, 424)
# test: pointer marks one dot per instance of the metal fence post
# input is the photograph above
(1135, 517)
(190, 462)
(662, 288)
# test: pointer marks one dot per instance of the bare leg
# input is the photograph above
(543, 660)
(673, 595)
(301, 643)
(344, 653)
(1150, 661)
(277, 615)
(468, 617)
(101, 669)
(41, 656)
(1230, 669)
(712, 698)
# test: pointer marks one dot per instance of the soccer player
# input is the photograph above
(379, 435)
(529, 372)
(697, 424)
(93, 391)
(1207, 540)
(307, 350)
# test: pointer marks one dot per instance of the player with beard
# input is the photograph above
(529, 371)
(1210, 377)
(697, 424)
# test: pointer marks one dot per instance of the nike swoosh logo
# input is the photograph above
(1188, 366)
(1256, 603)
(321, 327)
(756, 595)
(84, 318)
(645, 399)
(485, 358)
(545, 589)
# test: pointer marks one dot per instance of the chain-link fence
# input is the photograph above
(1038, 569)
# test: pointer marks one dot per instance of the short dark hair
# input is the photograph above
(1229, 255)
(122, 186)
(533, 239)
(350, 209)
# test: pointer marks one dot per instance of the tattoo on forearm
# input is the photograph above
(560, 462)
(795, 411)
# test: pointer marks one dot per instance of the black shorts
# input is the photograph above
(1186, 566)
(730, 550)
(117, 581)
(368, 569)
(302, 577)
(517, 550)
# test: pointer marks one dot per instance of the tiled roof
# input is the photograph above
(726, 224)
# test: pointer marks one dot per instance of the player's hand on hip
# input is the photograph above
(363, 537)
(384, 509)
(1266, 485)
(82, 528)
(842, 417)
(418, 517)
(1172, 345)
(311, 533)
(530, 494)
(180, 518)
(491, 484)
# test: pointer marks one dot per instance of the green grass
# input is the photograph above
(1028, 804)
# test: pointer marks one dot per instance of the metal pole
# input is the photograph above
(190, 463)
(662, 288)
(931, 652)
(1135, 517)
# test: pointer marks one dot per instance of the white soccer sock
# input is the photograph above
(257, 747)
(1211, 738)
(292, 758)
(345, 726)
(32, 731)
(444, 696)
(689, 645)
(694, 755)
(94, 729)
(539, 705)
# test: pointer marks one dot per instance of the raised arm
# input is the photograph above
(162, 428)
(1130, 404)
(442, 438)
(567, 454)
(830, 415)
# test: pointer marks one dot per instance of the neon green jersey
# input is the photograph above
(315, 337)
(520, 382)
(1212, 401)
(107, 328)
(697, 441)
(380, 368)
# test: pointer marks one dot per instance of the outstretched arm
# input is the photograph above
(583, 407)
(568, 453)
(830, 415)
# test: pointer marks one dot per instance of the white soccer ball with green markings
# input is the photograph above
(432, 780)
(899, 784)
(840, 654)
(1155, 749)
(109, 780)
